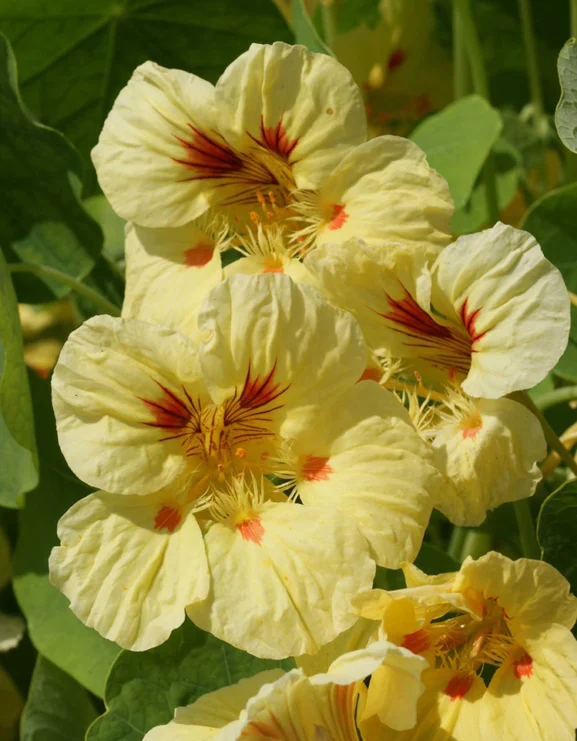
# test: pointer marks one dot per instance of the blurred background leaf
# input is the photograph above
(18, 457)
(144, 689)
(75, 57)
(57, 708)
(566, 113)
(556, 528)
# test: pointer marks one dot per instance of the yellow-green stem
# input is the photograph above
(93, 296)
(461, 74)
(329, 22)
(529, 544)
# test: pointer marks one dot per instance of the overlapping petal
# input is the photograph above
(130, 565)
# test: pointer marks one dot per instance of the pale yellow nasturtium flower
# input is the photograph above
(282, 126)
(497, 635)
(486, 449)
(492, 313)
(294, 707)
(181, 437)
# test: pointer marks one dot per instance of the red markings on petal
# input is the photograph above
(471, 432)
(338, 216)
(259, 391)
(276, 139)
(251, 530)
(416, 642)
(199, 255)
(316, 468)
(396, 59)
(523, 667)
(167, 518)
(459, 685)
(469, 319)
(209, 157)
(178, 415)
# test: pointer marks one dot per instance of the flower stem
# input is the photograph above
(457, 542)
(529, 544)
(476, 544)
(531, 58)
(329, 22)
(461, 73)
(557, 396)
(481, 87)
(550, 435)
(42, 271)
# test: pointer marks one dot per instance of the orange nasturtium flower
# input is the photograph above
(497, 635)
(195, 446)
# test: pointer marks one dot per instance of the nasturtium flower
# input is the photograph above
(492, 312)
(497, 635)
(185, 439)
(487, 450)
(294, 707)
(283, 126)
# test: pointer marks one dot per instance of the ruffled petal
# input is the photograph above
(281, 584)
(273, 343)
(363, 455)
(130, 565)
(294, 107)
(123, 394)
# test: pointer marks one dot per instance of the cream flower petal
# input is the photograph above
(120, 393)
(281, 584)
(363, 455)
(169, 273)
(513, 303)
(161, 123)
(202, 720)
(533, 594)
(384, 191)
(254, 265)
(130, 565)
(12, 629)
(357, 636)
(282, 343)
(535, 698)
(488, 458)
(304, 108)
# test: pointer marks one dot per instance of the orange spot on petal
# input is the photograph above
(198, 256)
(167, 518)
(338, 216)
(316, 468)
(523, 666)
(416, 642)
(396, 59)
(471, 432)
(274, 270)
(458, 686)
(251, 530)
(371, 374)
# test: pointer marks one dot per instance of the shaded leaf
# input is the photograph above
(18, 458)
(54, 629)
(552, 220)
(566, 113)
(556, 528)
(11, 705)
(144, 689)
(433, 560)
(457, 141)
(41, 219)
(305, 31)
(57, 708)
(75, 57)
(353, 13)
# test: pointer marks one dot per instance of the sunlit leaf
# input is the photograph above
(57, 707)
(552, 221)
(566, 113)
(556, 528)
(18, 458)
(41, 219)
(457, 141)
(54, 629)
(76, 56)
(144, 689)
(305, 31)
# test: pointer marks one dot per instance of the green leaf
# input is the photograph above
(457, 141)
(433, 560)
(41, 218)
(556, 528)
(57, 709)
(112, 226)
(474, 214)
(552, 220)
(566, 113)
(54, 629)
(19, 461)
(353, 13)
(305, 31)
(75, 57)
(144, 689)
